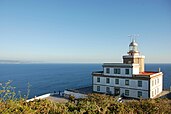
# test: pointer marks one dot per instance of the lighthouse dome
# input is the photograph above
(133, 43)
(133, 47)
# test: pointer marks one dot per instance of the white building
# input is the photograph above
(128, 78)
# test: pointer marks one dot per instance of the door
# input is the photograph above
(117, 91)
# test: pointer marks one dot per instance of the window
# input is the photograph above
(98, 88)
(139, 83)
(107, 70)
(157, 90)
(98, 79)
(152, 93)
(139, 93)
(108, 80)
(107, 89)
(152, 83)
(127, 92)
(126, 71)
(116, 81)
(157, 80)
(117, 71)
(126, 82)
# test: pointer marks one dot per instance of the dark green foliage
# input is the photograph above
(71, 98)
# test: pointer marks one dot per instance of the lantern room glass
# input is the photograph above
(133, 48)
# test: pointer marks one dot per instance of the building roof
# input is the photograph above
(149, 74)
(146, 73)
(119, 65)
(142, 76)
(135, 56)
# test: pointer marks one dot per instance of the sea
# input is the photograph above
(44, 78)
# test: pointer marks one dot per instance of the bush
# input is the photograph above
(93, 104)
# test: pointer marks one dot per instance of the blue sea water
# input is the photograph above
(45, 78)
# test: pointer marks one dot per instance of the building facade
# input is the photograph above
(128, 78)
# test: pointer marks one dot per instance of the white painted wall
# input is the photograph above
(133, 86)
(132, 93)
(122, 71)
(103, 89)
(76, 95)
(132, 82)
(39, 97)
(135, 70)
(155, 86)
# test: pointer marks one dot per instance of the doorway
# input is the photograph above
(117, 91)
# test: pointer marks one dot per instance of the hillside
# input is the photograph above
(94, 104)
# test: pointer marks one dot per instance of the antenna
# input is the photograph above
(133, 36)
(130, 36)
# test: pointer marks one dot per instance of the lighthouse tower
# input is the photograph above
(128, 78)
(134, 56)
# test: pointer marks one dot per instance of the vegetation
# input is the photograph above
(93, 104)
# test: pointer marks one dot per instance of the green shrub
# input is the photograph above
(93, 104)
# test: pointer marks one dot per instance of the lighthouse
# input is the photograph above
(134, 56)
(128, 79)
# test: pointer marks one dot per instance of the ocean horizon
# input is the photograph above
(45, 78)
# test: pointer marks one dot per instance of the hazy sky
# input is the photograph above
(85, 31)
